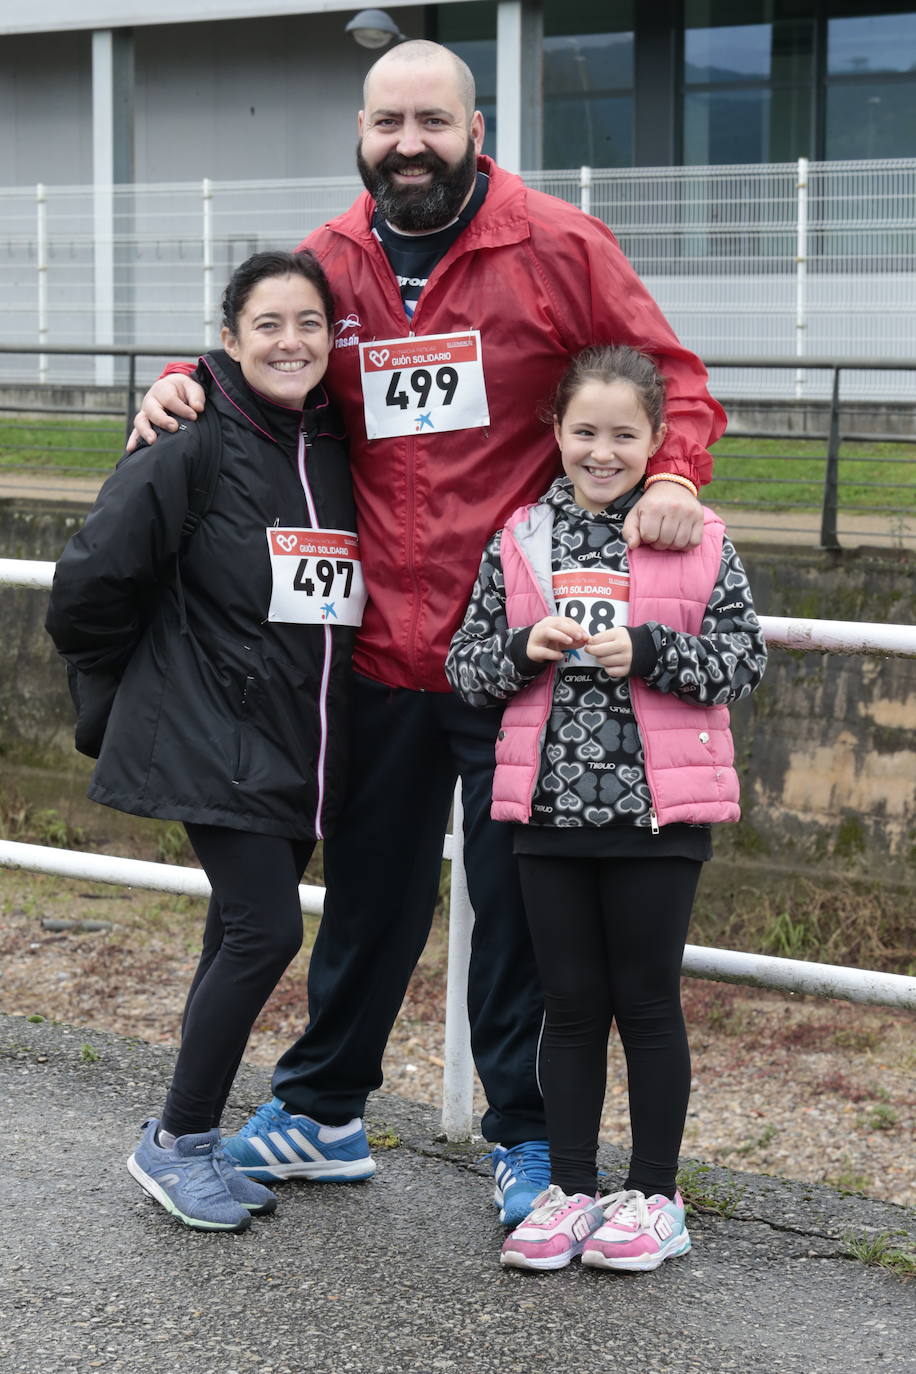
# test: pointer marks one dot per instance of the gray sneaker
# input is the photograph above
(253, 1196)
(187, 1181)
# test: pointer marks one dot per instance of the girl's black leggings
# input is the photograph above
(609, 938)
(253, 931)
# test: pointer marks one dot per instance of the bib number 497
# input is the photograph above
(325, 571)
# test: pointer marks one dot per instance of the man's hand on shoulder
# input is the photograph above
(168, 397)
(667, 516)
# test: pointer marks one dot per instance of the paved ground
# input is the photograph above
(399, 1273)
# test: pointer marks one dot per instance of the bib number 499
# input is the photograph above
(421, 383)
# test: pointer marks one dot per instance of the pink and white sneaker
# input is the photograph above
(638, 1232)
(553, 1232)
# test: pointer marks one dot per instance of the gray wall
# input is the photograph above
(237, 100)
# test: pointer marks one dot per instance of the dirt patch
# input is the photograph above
(818, 1091)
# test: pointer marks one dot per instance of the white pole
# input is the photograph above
(458, 1074)
(103, 197)
(207, 189)
(723, 965)
(107, 868)
(801, 273)
(509, 85)
(41, 266)
(797, 975)
(585, 190)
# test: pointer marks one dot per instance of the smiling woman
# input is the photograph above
(279, 335)
(210, 677)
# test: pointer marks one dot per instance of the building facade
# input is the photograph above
(231, 89)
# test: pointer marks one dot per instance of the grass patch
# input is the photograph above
(72, 444)
(831, 919)
(774, 474)
(704, 1196)
(882, 1251)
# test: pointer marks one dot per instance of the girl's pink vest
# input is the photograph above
(688, 748)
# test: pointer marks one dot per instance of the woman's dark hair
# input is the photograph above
(259, 267)
(614, 363)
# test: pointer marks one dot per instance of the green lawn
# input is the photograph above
(769, 474)
(78, 444)
(775, 474)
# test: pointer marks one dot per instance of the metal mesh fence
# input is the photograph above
(808, 258)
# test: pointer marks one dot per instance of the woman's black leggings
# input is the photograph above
(609, 938)
(253, 931)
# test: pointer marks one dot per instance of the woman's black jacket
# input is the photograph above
(220, 717)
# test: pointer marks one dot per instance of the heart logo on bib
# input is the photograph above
(379, 356)
(287, 541)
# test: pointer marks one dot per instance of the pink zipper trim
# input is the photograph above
(326, 667)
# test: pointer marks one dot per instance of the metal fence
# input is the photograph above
(762, 260)
(722, 965)
(830, 513)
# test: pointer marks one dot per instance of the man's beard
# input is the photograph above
(419, 209)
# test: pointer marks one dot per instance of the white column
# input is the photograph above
(112, 162)
(519, 84)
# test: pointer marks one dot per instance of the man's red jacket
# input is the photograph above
(540, 281)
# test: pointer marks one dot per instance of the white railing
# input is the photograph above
(807, 258)
(720, 965)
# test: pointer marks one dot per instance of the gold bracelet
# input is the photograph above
(673, 477)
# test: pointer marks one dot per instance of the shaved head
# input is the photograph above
(417, 52)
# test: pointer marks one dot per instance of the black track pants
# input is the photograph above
(382, 869)
(253, 931)
(609, 939)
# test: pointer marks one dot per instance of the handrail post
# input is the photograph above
(41, 267)
(458, 1074)
(829, 538)
(801, 272)
(585, 190)
(207, 255)
(131, 393)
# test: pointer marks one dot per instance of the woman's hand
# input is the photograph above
(614, 651)
(552, 636)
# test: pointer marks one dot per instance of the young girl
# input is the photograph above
(227, 655)
(613, 758)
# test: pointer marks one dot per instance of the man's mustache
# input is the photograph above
(423, 162)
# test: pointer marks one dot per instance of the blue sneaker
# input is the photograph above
(521, 1174)
(277, 1144)
(254, 1197)
(186, 1180)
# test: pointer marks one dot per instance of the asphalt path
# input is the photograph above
(399, 1273)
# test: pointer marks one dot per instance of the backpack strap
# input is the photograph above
(205, 471)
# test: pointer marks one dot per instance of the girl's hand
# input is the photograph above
(552, 636)
(613, 650)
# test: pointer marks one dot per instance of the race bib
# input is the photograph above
(317, 577)
(597, 601)
(423, 385)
